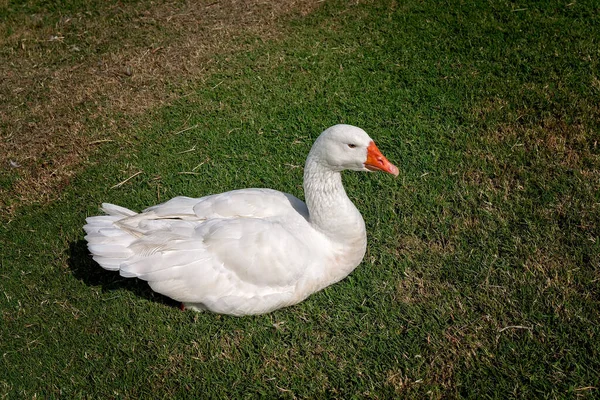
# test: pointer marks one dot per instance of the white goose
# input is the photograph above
(247, 251)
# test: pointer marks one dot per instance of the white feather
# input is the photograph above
(246, 251)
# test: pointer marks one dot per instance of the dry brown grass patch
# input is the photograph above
(488, 107)
(416, 289)
(565, 143)
(401, 383)
(410, 245)
(463, 346)
(100, 67)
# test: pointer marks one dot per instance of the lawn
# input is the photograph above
(482, 274)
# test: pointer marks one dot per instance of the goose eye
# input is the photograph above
(351, 145)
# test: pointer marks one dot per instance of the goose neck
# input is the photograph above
(330, 209)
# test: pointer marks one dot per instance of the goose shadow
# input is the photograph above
(91, 273)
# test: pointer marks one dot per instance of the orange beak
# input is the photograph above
(377, 162)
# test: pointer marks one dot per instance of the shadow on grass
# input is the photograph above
(87, 270)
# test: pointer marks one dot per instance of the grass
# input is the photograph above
(482, 274)
(76, 72)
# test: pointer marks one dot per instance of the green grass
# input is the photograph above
(482, 274)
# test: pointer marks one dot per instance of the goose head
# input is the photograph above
(342, 147)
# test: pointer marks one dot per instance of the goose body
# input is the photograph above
(248, 251)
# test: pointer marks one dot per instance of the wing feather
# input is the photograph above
(228, 251)
(222, 257)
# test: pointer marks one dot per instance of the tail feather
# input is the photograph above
(113, 209)
(110, 264)
(108, 243)
(114, 250)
